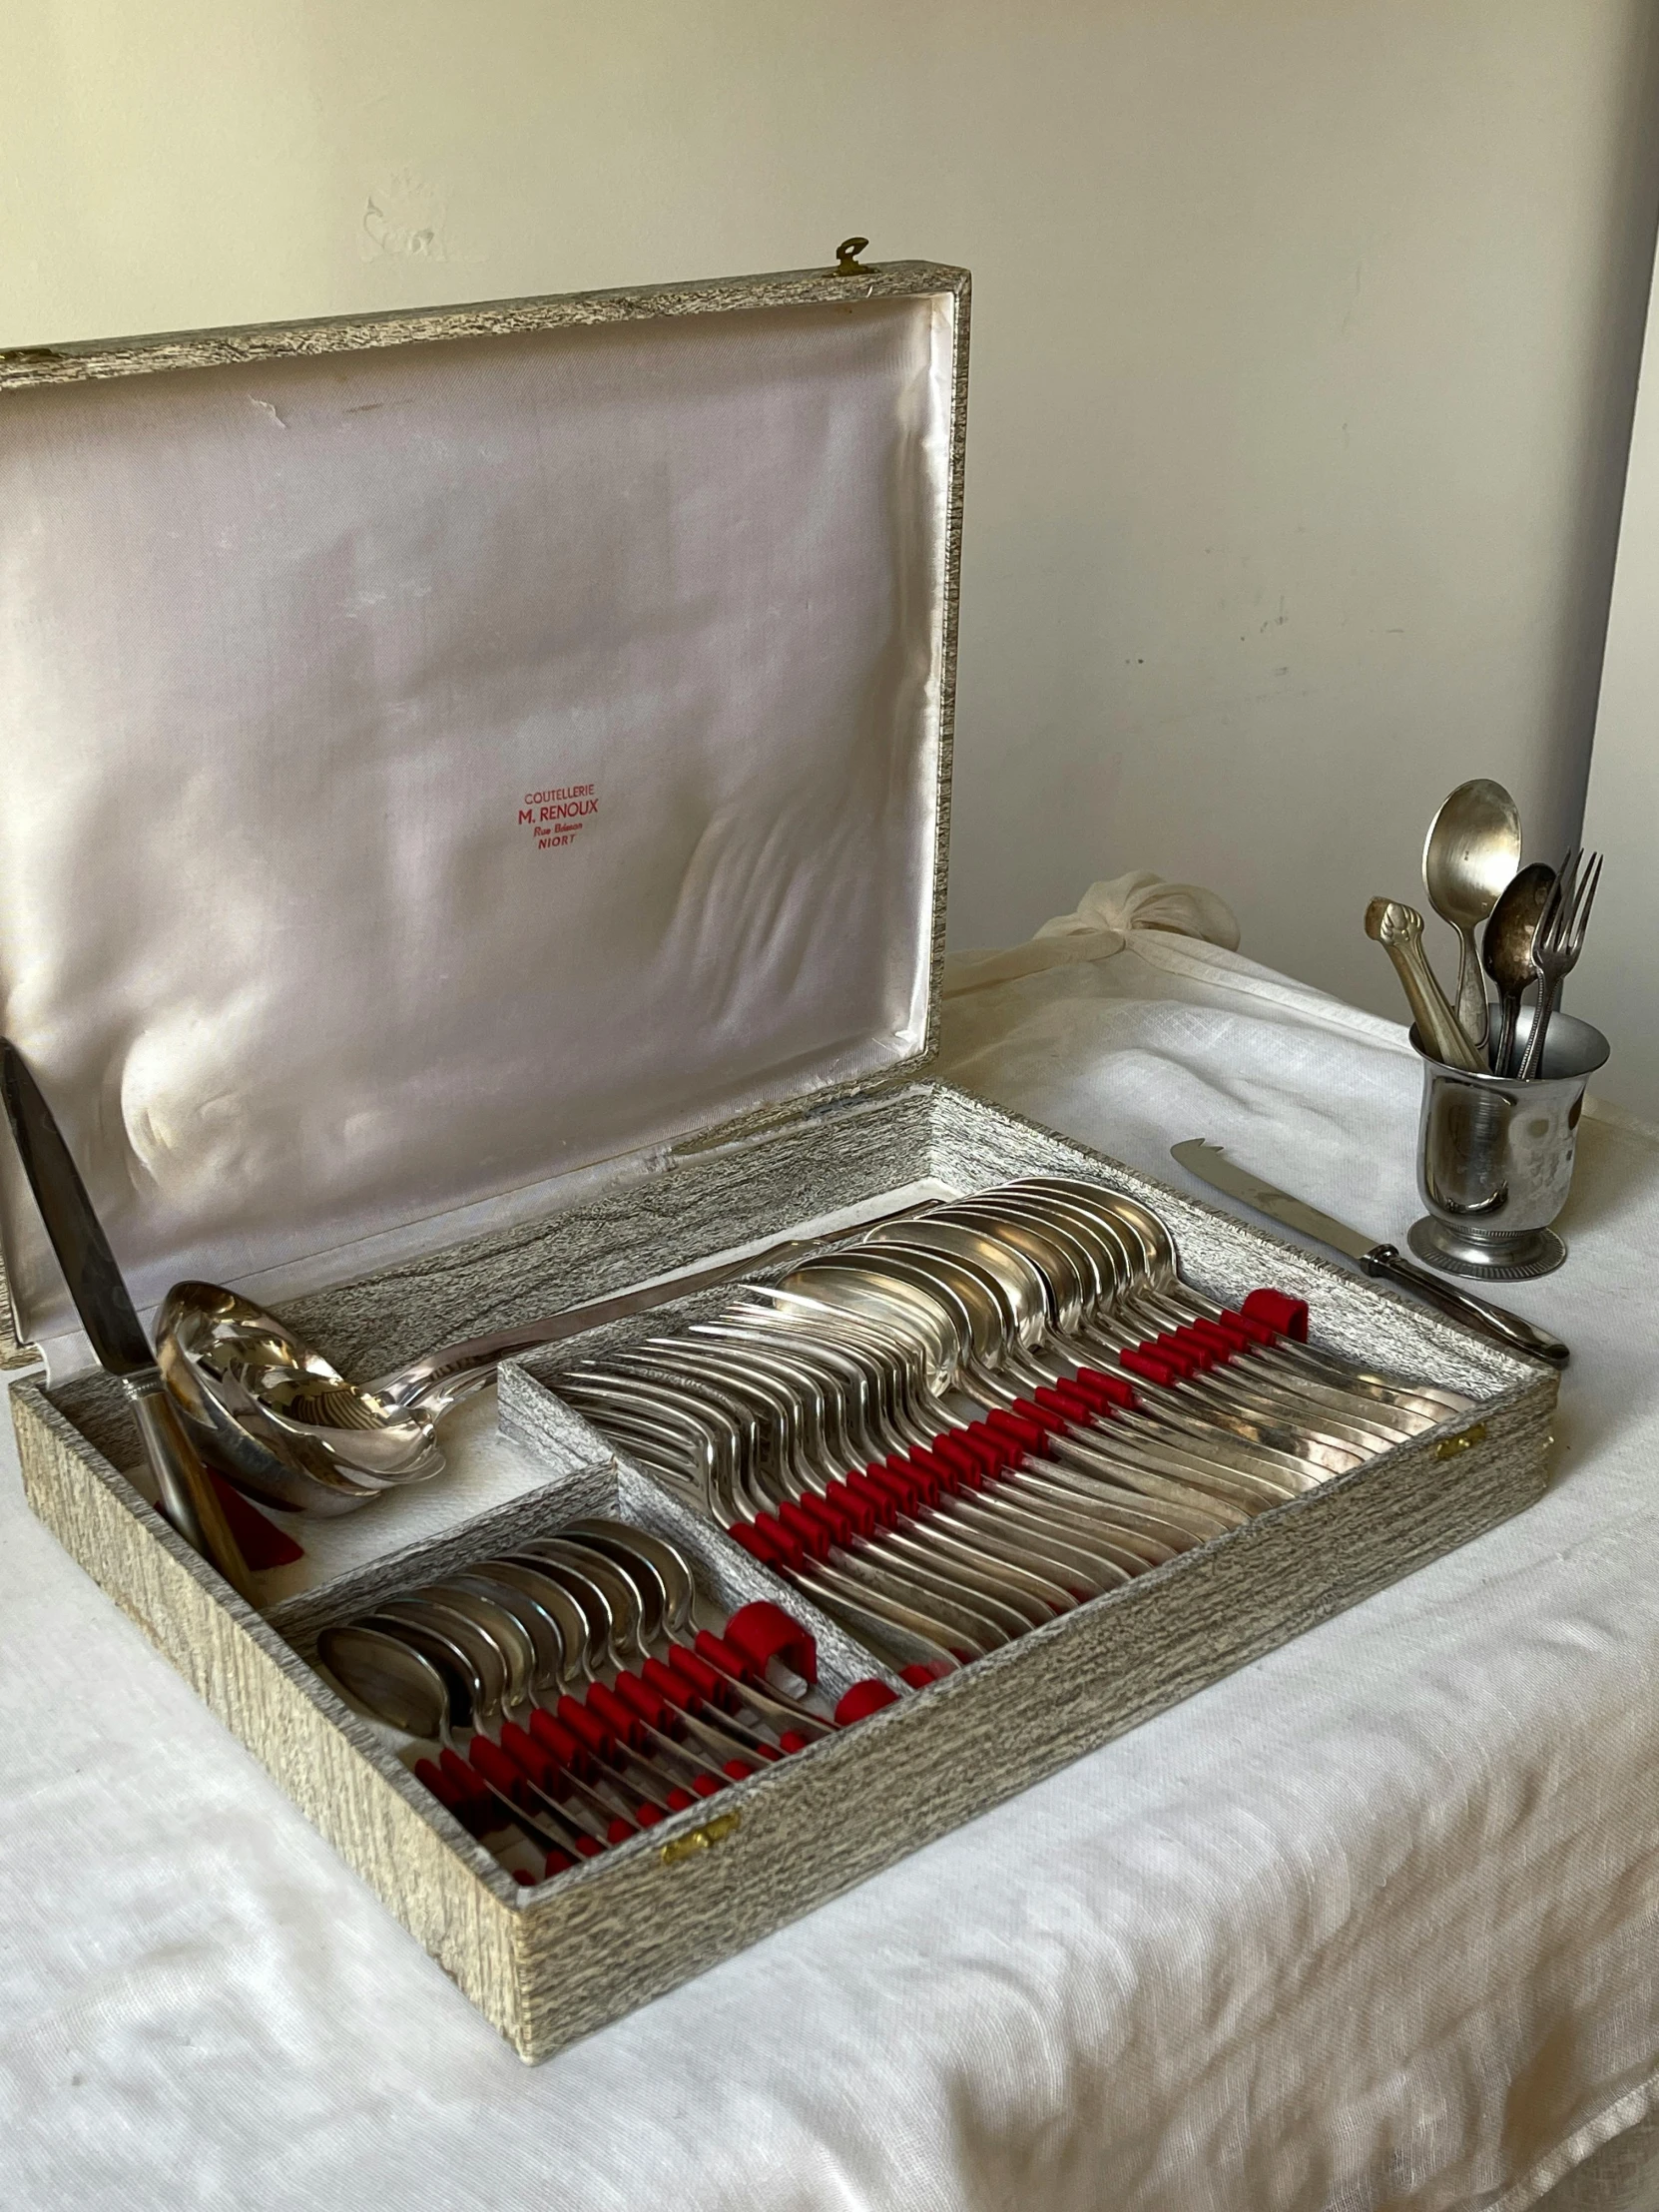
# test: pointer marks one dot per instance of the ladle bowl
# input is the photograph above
(275, 1416)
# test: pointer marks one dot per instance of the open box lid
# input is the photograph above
(452, 757)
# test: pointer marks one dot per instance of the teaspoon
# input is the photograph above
(1507, 951)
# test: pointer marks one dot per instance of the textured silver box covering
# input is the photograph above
(550, 1964)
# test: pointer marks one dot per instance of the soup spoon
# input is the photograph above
(1080, 1281)
(1054, 1325)
(1472, 850)
(1208, 1475)
(1162, 1291)
(994, 1369)
(427, 1694)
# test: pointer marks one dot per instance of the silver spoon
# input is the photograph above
(1076, 1338)
(1159, 1290)
(494, 1658)
(1507, 951)
(1159, 1454)
(1472, 850)
(653, 1769)
(423, 1687)
(997, 1339)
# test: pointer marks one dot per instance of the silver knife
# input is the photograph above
(106, 1315)
(1211, 1165)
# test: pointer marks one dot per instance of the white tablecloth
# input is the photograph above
(1373, 1922)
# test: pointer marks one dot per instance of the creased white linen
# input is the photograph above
(1371, 1924)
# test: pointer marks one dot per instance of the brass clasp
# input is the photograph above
(1466, 1441)
(701, 1839)
(847, 262)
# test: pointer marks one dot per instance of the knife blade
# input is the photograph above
(1209, 1163)
(111, 1322)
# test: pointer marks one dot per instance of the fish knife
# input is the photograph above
(1211, 1165)
(106, 1315)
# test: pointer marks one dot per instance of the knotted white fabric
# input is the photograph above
(1098, 927)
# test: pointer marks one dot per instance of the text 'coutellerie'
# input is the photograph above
(558, 815)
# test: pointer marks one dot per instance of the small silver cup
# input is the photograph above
(1495, 1156)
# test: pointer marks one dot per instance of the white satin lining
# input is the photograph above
(302, 660)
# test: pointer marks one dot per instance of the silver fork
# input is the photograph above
(1556, 946)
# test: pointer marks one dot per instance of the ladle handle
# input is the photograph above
(440, 1379)
(188, 1498)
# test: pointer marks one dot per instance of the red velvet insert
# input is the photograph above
(862, 1699)
(1289, 1315)
(762, 1632)
(261, 1543)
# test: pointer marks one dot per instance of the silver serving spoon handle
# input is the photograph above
(1398, 928)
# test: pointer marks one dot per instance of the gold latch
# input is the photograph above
(1464, 1441)
(701, 1839)
(847, 262)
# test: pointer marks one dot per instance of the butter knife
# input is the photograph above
(1211, 1165)
(108, 1317)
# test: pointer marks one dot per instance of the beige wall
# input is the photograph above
(1303, 343)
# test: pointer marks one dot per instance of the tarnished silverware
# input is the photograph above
(1472, 850)
(1398, 928)
(1556, 946)
(1506, 950)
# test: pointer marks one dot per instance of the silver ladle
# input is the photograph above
(287, 1425)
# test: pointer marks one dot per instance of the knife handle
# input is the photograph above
(1496, 1321)
(187, 1495)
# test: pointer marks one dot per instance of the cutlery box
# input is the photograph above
(476, 839)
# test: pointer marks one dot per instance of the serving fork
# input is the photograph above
(1556, 946)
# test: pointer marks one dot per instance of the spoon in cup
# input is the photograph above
(1472, 850)
(1507, 951)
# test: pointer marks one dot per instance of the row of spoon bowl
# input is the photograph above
(579, 1689)
(972, 1418)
